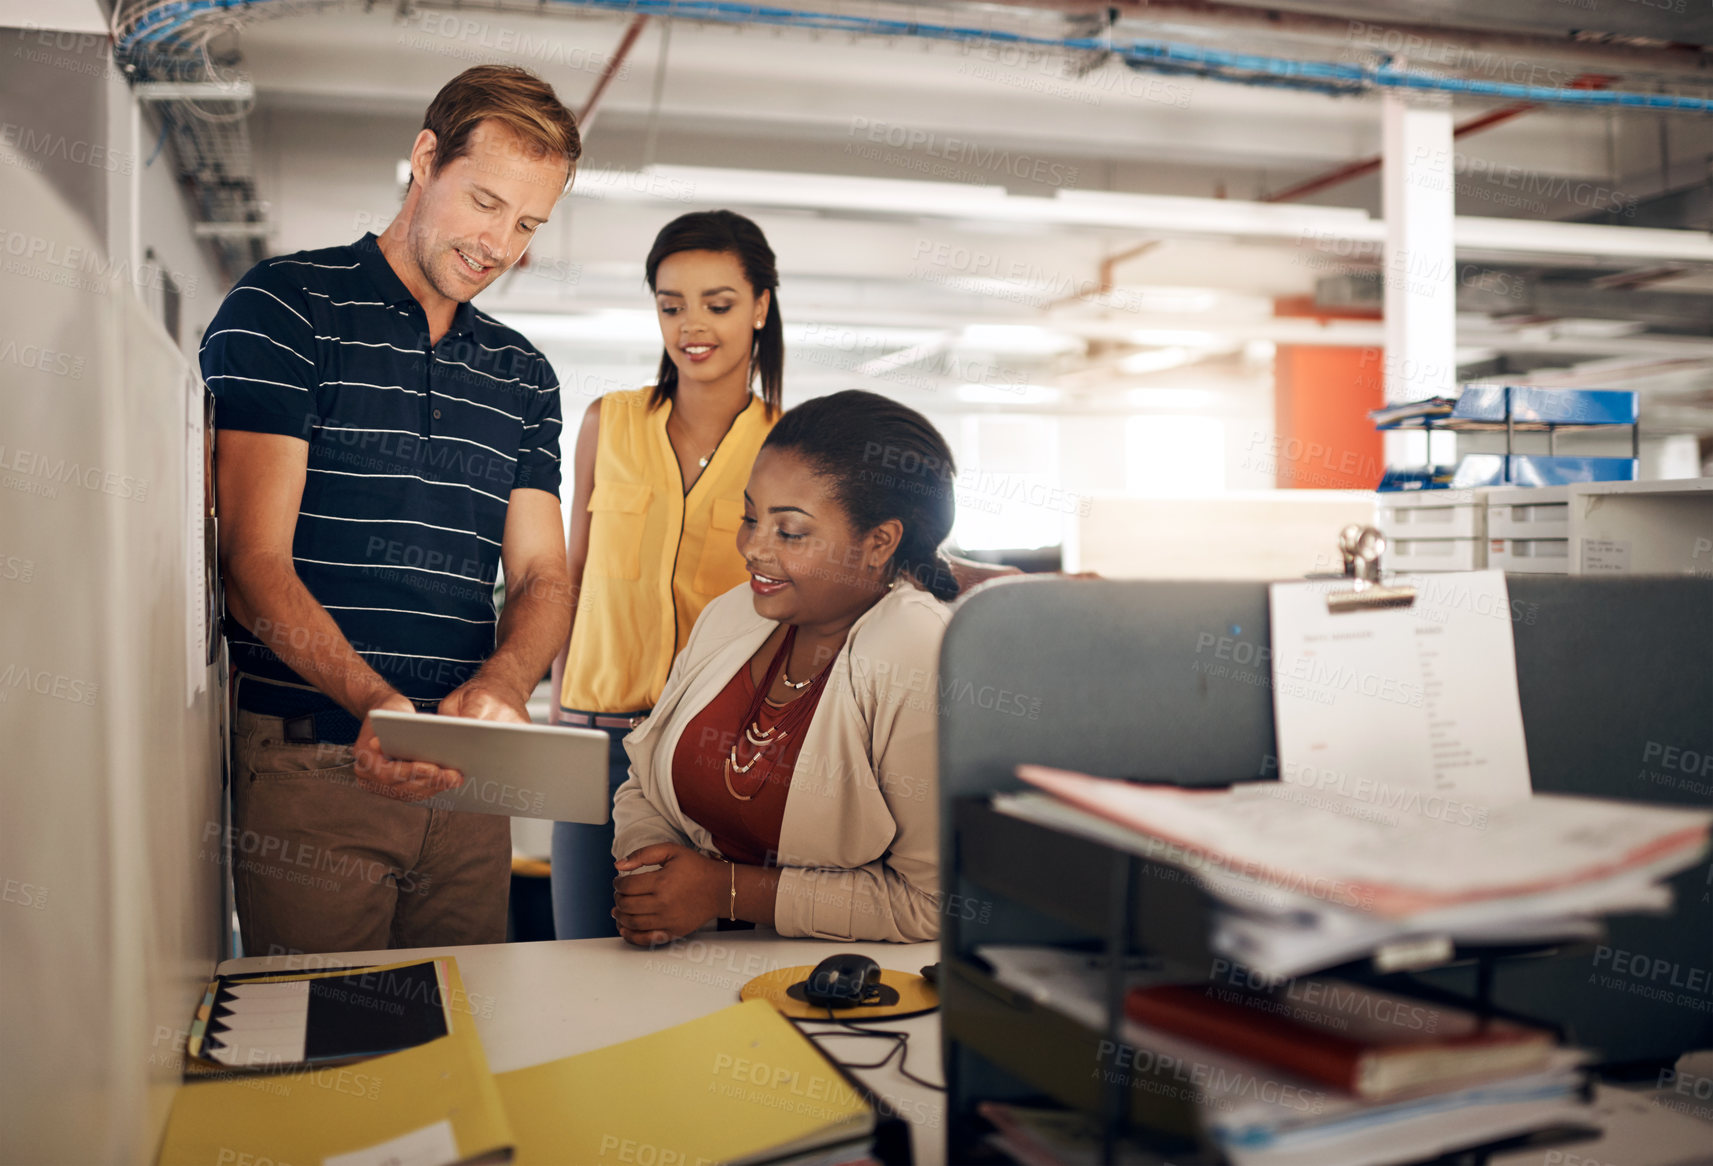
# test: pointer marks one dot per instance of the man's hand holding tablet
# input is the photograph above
(414, 780)
(406, 781)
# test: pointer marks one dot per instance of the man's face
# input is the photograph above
(475, 216)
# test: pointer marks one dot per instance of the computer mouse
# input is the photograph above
(842, 981)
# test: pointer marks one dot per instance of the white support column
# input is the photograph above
(1417, 181)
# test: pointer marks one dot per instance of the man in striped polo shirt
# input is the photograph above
(383, 449)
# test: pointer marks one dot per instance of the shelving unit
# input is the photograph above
(1515, 409)
(1121, 668)
(1099, 894)
(1004, 1045)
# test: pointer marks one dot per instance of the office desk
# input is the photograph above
(538, 1002)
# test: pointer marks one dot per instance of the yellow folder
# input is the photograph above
(437, 1101)
(739, 1085)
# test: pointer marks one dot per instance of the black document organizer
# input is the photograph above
(1105, 675)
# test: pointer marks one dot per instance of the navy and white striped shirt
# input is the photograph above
(413, 454)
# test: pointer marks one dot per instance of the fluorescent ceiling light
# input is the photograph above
(1173, 399)
(1003, 394)
(904, 357)
(1176, 215)
(1018, 339)
(717, 185)
(612, 325)
(1172, 299)
(1159, 360)
(1164, 216)
(1030, 293)
(856, 339)
(1178, 336)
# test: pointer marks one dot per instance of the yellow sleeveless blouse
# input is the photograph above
(656, 554)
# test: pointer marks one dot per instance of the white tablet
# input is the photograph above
(522, 771)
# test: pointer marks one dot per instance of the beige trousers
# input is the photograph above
(320, 864)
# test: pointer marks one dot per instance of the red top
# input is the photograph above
(746, 832)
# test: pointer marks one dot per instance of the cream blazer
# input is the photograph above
(859, 843)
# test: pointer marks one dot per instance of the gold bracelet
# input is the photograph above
(732, 915)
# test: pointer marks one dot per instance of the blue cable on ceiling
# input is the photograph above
(162, 25)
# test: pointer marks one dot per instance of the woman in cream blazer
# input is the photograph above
(847, 506)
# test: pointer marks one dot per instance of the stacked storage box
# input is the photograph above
(1642, 528)
(1433, 530)
(1528, 529)
(1511, 410)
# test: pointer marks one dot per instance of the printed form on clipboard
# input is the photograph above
(1405, 709)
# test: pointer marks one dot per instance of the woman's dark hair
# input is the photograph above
(727, 233)
(886, 461)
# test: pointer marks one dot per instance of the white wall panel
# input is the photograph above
(111, 909)
(1281, 534)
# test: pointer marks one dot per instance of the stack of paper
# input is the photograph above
(1411, 410)
(1308, 889)
(1263, 1116)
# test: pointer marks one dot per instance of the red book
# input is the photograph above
(1367, 1043)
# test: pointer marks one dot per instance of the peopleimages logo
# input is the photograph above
(1311, 670)
(1368, 790)
(38, 473)
(83, 268)
(962, 152)
(48, 360)
(40, 146)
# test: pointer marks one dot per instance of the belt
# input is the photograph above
(602, 720)
(309, 714)
(328, 727)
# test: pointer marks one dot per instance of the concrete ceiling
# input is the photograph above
(722, 99)
(81, 16)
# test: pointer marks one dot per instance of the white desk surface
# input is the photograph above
(538, 1002)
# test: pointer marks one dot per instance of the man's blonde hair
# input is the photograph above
(511, 96)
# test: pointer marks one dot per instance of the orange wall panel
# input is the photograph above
(1323, 438)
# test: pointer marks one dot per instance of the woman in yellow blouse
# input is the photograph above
(656, 502)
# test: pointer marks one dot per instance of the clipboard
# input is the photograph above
(1361, 548)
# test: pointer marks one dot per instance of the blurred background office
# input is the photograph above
(1107, 276)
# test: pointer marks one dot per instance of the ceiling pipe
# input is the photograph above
(1352, 170)
(171, 23)
(1107, 279)
(1664, 58)
(586, 117)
